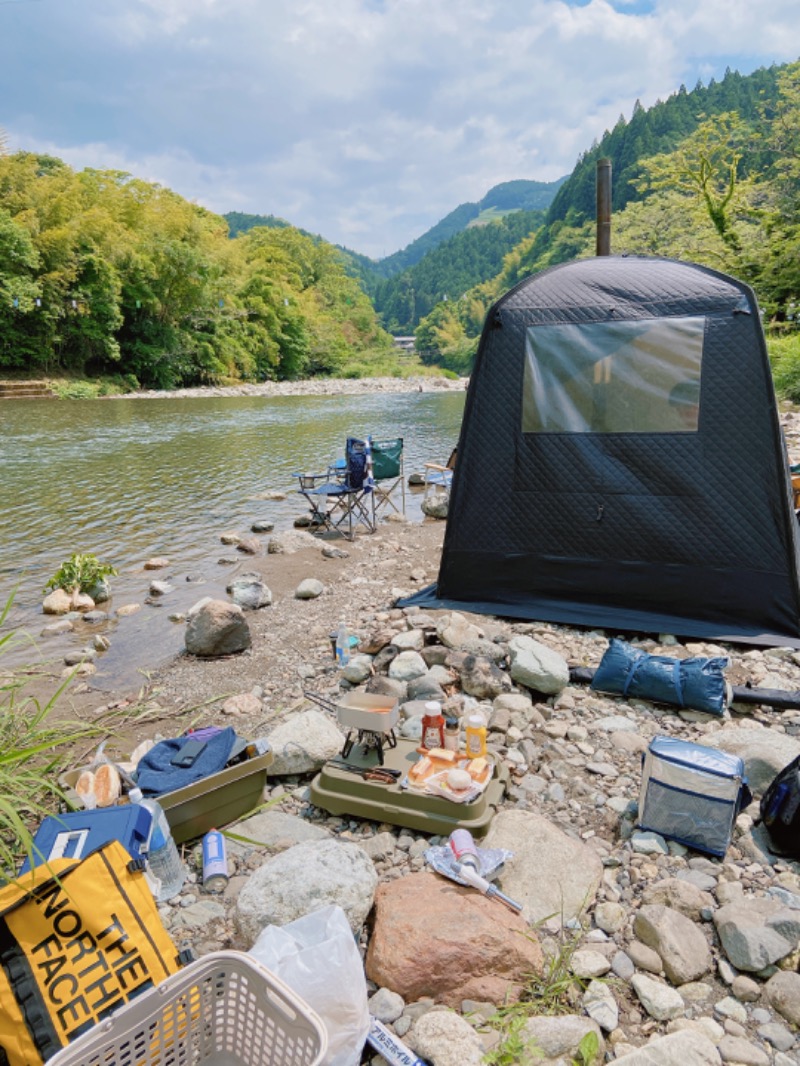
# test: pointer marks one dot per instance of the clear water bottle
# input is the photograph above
(342, 645)
(162, 855)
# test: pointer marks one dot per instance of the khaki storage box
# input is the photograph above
(210, 803)
(341, 792)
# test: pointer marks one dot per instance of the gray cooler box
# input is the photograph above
(692, 794)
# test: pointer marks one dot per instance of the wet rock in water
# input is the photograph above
(249, 592)
(160, 588)
(95, 618)
(217, 628)
(127, 609)
(302, 879)
(57, 602)
(100, 592)
(55, 629)
(418, 947)
(262, 527)
(84, 655)
(309, 589)
(229, 538)
(249, 546)
(158, 562)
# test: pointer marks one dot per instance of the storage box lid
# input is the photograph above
(698, 756)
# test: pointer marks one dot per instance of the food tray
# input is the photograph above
(225, 1009)
(340, 792)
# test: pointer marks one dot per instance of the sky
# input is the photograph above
(366, 121)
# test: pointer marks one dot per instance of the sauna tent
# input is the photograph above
(621, 463)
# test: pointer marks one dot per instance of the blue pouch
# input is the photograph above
(696, 683)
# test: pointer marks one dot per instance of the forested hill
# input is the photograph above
(660, 129)
(521, 195)
(449, 269)
(709, 176)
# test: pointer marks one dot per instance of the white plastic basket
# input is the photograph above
(225, 1009)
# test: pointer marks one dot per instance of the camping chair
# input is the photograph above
(439, 478)
(387, 473)
(343, 494)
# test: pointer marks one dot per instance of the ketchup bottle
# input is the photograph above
(433, 726)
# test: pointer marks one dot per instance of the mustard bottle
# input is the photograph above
(475, 736)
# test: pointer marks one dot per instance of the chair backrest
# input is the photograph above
(387, 458)
(356, 455)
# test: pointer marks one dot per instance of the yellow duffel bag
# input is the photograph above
(78, 939)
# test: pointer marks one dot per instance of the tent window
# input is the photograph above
(613, 377)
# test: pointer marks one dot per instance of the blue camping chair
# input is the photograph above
(343, 495)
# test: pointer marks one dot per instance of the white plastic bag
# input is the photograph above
(317, 957)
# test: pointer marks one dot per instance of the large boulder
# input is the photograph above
(757, 932)
(303, 743)
(432, 937)
(551, 874)
(764, 751)
(303, 879)
(217, 628)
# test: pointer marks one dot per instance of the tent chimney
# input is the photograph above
(603, 183)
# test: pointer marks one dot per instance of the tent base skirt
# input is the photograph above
(593, 616)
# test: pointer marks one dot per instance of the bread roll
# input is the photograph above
(107, 785)
(84, 786)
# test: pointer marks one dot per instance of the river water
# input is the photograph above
(130, 479)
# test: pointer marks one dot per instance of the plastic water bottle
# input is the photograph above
(162, 855)
(342, 645)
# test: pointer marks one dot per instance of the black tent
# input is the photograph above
(621, 462)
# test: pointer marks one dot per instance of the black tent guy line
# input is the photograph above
(621, 463)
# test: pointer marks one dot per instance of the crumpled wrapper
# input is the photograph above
(441, 858)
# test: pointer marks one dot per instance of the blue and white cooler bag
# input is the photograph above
(692, 794)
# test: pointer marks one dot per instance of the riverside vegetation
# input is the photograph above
(112, 279)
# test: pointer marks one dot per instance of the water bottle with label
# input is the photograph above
(162, 855)
(342, 645)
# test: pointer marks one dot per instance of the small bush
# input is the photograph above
(82, 572)
(784, 357)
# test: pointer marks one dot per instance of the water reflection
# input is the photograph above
(127, 480)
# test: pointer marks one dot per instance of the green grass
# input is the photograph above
(555, 991)
(31, 756)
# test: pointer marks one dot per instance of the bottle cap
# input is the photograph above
(451, 723)
(476, 719)
(135, 795)
(433, 707)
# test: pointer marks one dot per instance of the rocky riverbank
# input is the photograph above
(310, 387)
(652, 945)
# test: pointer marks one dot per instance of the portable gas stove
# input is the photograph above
(368, 719)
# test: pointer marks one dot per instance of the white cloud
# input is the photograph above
(363, 120)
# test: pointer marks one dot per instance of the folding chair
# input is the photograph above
(387, 473)
(343, 494)
(439, 478)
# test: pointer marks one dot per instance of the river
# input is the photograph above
(128, 480)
